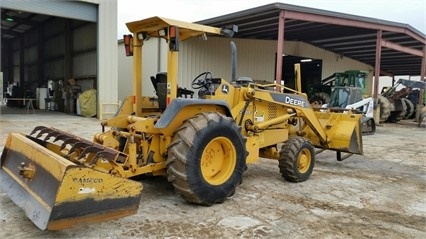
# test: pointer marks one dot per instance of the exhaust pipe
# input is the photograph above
(233, 62)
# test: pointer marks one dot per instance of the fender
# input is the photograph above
(179, 103)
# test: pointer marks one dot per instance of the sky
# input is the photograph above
(412, 12)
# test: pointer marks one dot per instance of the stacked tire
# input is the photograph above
(396, 110)
(385, 108)
(319, 99)
(410, 108)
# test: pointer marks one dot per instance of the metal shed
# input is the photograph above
(391, 48)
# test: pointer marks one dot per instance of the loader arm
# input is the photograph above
(340, 132)
(298, 105)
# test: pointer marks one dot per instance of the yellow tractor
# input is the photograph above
(201, 144)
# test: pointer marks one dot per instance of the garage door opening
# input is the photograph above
(49, 59)
(311, 71)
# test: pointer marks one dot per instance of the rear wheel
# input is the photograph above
(207, 158)
(368, 126)
(385, 108)
(297, 159)
(402, 109)
(410, 108)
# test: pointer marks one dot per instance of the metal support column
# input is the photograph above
(280, 47)
(21, 61)
(40, 56)
(377, 76)
(422, 75)
(68, 43)
(421, 100)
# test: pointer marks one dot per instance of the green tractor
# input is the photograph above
(320, 94)
(344, 91)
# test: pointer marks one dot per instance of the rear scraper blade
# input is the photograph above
(56, 193)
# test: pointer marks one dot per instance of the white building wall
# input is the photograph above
(255, 59)
(154, 61)
(124, 72)
(107, 55)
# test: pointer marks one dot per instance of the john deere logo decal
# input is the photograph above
(225, 89)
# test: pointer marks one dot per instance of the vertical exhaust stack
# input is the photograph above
(233, 62)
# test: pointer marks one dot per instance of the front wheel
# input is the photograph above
(297, 159)
(207, 158)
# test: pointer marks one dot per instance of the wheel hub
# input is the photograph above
(304, 161)
(218, 161)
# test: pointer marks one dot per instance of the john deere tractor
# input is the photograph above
(202, 144)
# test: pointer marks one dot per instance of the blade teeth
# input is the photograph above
(90, 149)
(37, 128)
(43, 131)
(63, 137)
(79, 144)
(68, 140)
(75, 142)
(107, 154)
(52, 134)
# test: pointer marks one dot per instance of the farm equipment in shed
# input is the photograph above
(400, 104)
(321, 91)
(342, 91)
(202, 145)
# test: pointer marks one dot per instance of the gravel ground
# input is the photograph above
(381, 194)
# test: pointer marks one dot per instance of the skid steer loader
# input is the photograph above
(345, 90)
(202, 145)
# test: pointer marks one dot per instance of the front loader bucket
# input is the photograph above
(56, 193)
(343, 131)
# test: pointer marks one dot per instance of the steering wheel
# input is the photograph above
(202, 80)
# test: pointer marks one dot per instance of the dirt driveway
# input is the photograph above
(379, 195)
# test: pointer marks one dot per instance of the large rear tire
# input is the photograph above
(207, 158)
(368, 126)
(385, 108)
(410, 108)
(402, 106)
(297, 159)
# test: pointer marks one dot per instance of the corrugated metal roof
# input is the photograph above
(344, 34)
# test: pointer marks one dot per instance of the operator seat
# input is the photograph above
(160, 85)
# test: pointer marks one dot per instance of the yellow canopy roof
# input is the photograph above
(186, 29)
